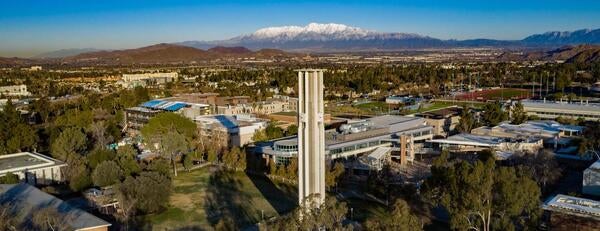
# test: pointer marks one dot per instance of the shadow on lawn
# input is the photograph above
(282, 199)
(224, 200)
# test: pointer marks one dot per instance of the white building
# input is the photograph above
(276, 104)
(358, 138)
(591, 179)
(473, 143)
(33, 168)
(229, 130)
(14, 90)
(147, 79)
(552, 110)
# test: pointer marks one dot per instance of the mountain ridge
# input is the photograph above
(170, 53)
(316, 37)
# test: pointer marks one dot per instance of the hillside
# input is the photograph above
(569, 54)
(170, 53)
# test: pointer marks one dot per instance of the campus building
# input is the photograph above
(465, 142)
(147, 79)
(572, 213)
(538, 128)
(229, 130)
(357, 138)
(443, 121)
(137, 117)
(591, 180)
(14, 90)
(276, 104)
(33, 168)
(553, 110)
(23, 200)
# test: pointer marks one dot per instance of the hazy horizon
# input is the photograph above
(30, 28)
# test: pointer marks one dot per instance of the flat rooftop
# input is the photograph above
(26, 161)
(591, 107)
(20, 162)
(574, 206)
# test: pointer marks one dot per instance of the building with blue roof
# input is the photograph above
(137, 117)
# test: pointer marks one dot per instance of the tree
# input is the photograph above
(260, 136)
(228, 158)
(273, 132)
(188, 161)
(211, 155)
(7, 218)
(226, 223)
(466, 122)
(126, 158)
(480, 196)
(333, 174)
(70, 141)
(169, 134)
(400, 219)
(98, 156)
(272, 167)
(98, 131)
(150, 190)
(23, 138)
(49, 218)
(9, 178)
(328, 216)
(493, 114)
(291, 130)
(78, 174)
(107, 173)
(15, 134)
(292, 169)
(161, 166)
(542, 166)
(518, 114)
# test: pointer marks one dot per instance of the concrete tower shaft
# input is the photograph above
(311, 137)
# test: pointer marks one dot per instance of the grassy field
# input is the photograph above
(375, 106)
(202, 197)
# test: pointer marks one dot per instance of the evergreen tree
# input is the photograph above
(466, 122)
(518, 114)
(493, 114)
(170, 135)
(400, 219)
(107, 173)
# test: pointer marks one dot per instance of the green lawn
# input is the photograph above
(362, 210)
(202, 197)
(439, 105)
(375, 106)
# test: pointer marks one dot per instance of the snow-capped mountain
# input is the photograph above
(320, 32)
(311, 31)
(316, 37)
(565, 37)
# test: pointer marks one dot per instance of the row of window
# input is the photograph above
(356, 146)
(575, 115)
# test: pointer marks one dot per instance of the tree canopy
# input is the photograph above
(482, 196)
(170, 135)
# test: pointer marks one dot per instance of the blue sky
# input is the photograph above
(31, 27)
